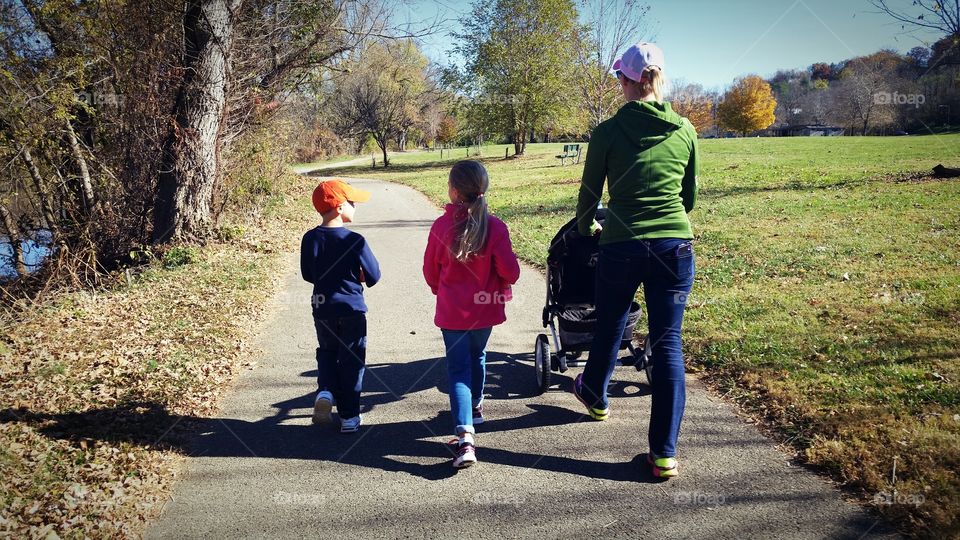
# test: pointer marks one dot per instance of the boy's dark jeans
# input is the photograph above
(665, 268)
(341, 356)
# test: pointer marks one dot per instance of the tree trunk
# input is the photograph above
(191, 153)
(46, 204)
(86, 184)
(383, 142)
(13, 234)
(518, 142)
(60, 187)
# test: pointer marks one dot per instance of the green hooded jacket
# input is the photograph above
(648, 155)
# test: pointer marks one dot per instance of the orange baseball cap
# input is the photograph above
(332, 193)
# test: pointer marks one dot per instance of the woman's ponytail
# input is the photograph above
(652, 80)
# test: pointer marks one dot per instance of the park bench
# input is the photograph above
(571, 152)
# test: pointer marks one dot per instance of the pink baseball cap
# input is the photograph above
(638, 58)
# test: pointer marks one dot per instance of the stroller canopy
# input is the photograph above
(571, 262)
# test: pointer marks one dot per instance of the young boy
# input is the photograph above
(338, 262)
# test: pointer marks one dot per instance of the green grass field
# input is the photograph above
(827, 297)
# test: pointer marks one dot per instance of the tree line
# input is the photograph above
(125, 126)
(531, 69)
(540, 70)
(881, 93)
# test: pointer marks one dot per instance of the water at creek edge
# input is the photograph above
(36, 246)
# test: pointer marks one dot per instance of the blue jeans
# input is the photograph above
(466, 371)
(341, 359)
(665, 268)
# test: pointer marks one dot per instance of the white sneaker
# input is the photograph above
(322, 407)
(351, 425)
(466, 456)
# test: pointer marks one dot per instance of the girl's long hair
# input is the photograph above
(470, 179)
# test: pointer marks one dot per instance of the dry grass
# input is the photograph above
(96, 386)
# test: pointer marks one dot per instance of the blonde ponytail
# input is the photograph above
(652, 80)
(470, 179)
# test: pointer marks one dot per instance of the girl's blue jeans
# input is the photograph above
(466, 371)
(665, 268)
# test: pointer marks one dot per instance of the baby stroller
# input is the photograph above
(570, 310)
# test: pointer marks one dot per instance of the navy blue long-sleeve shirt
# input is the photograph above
(337, 261)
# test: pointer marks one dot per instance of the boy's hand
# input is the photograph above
(363, 278)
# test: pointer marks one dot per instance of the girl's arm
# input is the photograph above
(431, 260)
(504, 259)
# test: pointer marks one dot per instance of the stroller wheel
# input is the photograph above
(541, 362)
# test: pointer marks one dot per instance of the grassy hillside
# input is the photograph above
(827, 296)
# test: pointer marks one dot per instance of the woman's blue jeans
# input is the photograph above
(466, 371)
(665, 268)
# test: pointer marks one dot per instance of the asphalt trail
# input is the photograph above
(261, 470)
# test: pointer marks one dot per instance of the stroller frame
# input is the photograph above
(563, 356)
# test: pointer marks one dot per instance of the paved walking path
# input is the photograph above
(262, 470)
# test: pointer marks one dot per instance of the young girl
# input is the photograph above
(470, 265)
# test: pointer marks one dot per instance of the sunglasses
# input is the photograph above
(619, 74)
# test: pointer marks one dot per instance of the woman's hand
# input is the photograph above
(595, 228)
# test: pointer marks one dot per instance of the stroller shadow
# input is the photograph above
(512, 376)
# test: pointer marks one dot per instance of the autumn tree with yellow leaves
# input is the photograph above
(693, 103)
(748, 106)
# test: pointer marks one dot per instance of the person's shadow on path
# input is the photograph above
(392, 447)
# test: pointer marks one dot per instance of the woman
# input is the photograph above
(648, 155)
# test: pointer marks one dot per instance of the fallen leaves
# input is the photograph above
(91, 383)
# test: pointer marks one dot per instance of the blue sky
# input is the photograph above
(712, 41)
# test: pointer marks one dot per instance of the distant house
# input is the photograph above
(807, 130)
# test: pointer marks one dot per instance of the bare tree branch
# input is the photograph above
(930, 14)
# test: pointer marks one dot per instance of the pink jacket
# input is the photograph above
(470, 295)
